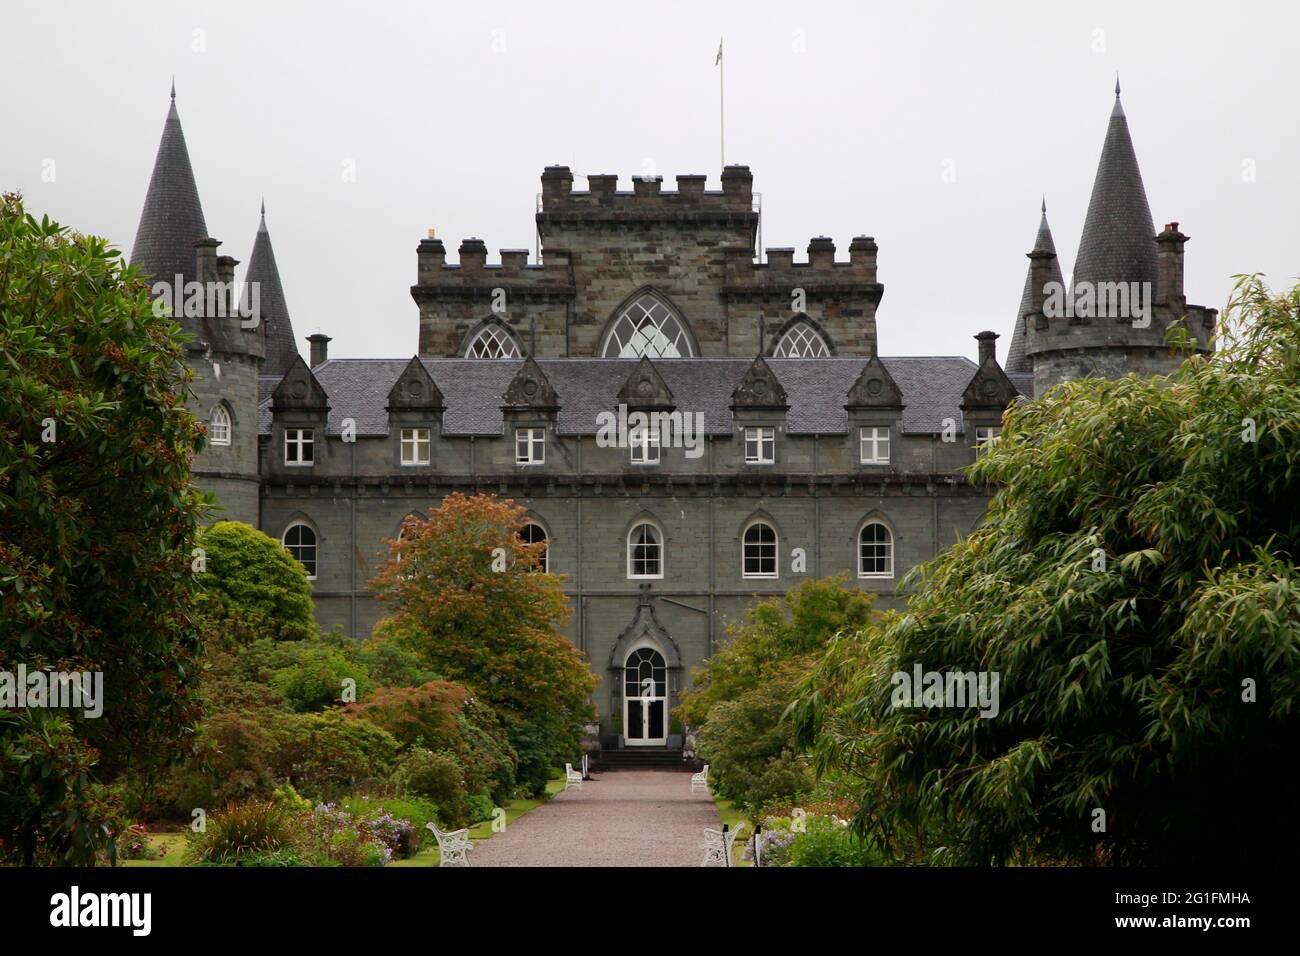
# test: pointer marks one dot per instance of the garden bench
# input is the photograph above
(453, 846)
(717, 845)
(571, 777)
(700, 781)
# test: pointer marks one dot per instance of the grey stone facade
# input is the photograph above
(785, 349)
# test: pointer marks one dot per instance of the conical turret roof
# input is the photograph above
(281, 346)
(172, 219)
(1118, 243)
(1017, 362)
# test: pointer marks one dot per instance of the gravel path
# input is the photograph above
(619, 818)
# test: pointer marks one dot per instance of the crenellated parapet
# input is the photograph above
(647, 201)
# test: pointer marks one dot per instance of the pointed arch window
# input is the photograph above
(875, 551)
(647, 327)
(300, 541)
(219, 425)
(801, 340)
(493, 341)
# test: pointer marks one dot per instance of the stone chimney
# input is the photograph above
(320, 348)
(987, 347)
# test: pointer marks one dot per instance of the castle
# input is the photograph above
(811, 454)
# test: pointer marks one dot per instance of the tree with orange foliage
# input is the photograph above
(467, 597)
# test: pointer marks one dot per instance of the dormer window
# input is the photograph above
(415, 446)
(644, 446)
(760, 446)
(985, 437)
(873, 445)
(299, 447)
(530, 446)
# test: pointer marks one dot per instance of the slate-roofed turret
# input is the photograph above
(1017, 362)
(281, 347)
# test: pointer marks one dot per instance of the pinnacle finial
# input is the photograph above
(1117, 84)
(263, 207)
(1044, 205)
(173, 88)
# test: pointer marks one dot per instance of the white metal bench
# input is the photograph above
(700, 781)
(453, 846)
(717, 845)
(571, 777)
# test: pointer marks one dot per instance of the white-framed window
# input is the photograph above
(645, 552)
(873, 445)
(300, 541)
(760, 446)
(530, 446)
(985, 436)
(493, 341)
(759, 551)
(415, 446)
(299, 446)
(219, 426)
(643, 444)
(533, 533)
(801, 340)
(875, 551)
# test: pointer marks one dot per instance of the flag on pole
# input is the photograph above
(718, 60)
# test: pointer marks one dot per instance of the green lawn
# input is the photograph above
(732, 815)
(175, 842)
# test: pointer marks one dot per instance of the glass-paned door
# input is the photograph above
(645, 699)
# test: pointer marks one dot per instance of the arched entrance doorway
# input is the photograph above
(645, 698)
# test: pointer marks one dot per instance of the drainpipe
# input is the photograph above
(708, 636)
(352, 547)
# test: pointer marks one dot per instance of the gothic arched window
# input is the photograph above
(219, 425)
(647, 327)
(493, 341)
(801, 340)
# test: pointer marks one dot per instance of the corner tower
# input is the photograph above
(1127, 287)
(224, 349)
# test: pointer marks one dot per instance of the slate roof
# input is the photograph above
(817, 388)
(1017, 363)
(1118, 243)
(172, 218)
(281, 347)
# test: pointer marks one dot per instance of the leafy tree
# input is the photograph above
(467, 598)
(1135, 587)
(251, 583)
(98, 517)
(740, 694)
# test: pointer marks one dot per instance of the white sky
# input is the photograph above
(450, 111)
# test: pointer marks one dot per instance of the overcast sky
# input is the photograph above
(934, 127)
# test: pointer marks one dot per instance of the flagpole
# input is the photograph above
(722, 106)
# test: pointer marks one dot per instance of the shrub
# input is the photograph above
(244, 831)
(250, 576)
(234, 760)
(437, 776)
(417, 811)
(397, 834)
(333, 837)
(426, 714)
(327, 755)
(828, 842)
(479, 807)
(314, 680)
(133, 844)
(286, 796)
